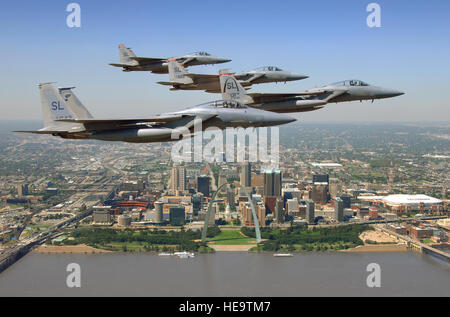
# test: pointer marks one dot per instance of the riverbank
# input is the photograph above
(401, 247)
(232, 248)
(85, 249)
(78, 249)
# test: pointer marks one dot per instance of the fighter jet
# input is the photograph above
(130, 62)
(180, 79)
(65, 116)
(309, 100)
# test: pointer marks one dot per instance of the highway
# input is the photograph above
(418, 245)
(11, 255)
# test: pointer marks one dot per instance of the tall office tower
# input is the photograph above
(222, 180)
(310, 207)
(22, 190)
(247, 215)
(279, 213)
(197, 201)
(261, 214)
(339, 209)
(347, 199)
(246, 174)
(290, 193)
(178, 179)
(272, 183)
(203, 183)
(231, 200)
(320, 193)
(177, 214)
(321, 178)
(334, 186)
(292, 206)
(158, 215)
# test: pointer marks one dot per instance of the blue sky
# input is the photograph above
(327, 40)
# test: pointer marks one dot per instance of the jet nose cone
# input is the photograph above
(397, 93)
(223, 60)
(381, 93)
(298, 76)
(284, 119)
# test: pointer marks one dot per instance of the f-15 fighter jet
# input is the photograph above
(180, 79)
(308, 100)
(66, 117)
(130, 62)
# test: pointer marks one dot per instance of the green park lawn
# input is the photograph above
(231, 237)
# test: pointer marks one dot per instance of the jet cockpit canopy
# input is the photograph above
(233, 104)
(351, 82)
(269, 69)
(201, 54)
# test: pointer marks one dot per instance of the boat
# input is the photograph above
(283, 254)
(164, 254)
(184, 254)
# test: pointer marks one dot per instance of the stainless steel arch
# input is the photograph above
(208, 214)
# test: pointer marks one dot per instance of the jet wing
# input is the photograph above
(202, 77)
(54, 129)
(158, 119)
(39, 131)
(186, 61)
(251, 79)
(169, 83)
(120, 65)
(113, 124)
(271, 97)
(148, 60)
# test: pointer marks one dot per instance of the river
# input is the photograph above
(228, 274)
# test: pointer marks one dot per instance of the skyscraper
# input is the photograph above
(158, 215)
(246, 174)
(320, 193)
(272, 183)
(338, 210)
(279, 213)
(177, 214)
(22, 190)
(178, 179)
(222, 180)
(321, 178)
(231, 197)
(197, 201)
(310, 207)
(203, 183)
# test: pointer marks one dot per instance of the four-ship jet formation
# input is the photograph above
(65, 116)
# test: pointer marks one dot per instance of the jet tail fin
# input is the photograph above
(125, 53)
(177, 73)
(230, 87)
(53, 105)
(73, 103)
(55, 108)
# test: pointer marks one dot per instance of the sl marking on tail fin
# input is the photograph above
(177, 72)
(230, 87)
(53, 105)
